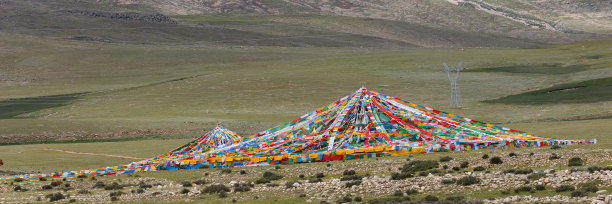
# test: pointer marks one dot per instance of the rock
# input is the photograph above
(602, 192)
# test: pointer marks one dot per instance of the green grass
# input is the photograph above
(12, 108)
(589, 91)
(535, 69)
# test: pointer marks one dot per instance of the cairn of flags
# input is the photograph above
(365, 124)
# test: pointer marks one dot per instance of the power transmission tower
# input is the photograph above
(455, 99)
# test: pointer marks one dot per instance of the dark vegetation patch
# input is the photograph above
(495, 160)
(549, 68)
(518, 171)
(575, 161)
(468, 180)
(12, 108)
(589, 91)
(158, 18)
(564, 188)
(215, 188)
(420, 165)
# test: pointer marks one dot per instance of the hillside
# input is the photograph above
(382, 24)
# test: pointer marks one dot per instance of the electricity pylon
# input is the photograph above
(455, 99)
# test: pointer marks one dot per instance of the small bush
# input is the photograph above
(523, 189)
(262, 181)
(18, 188)
(116, 194)
(553, 156)
(445, 167)
(512, 154)
(215, 188)
(144, 185)
(114, 199)
(200, 182)
(555, 147)
(278, 167)
(411, 191)
(18, 180)
(114, 186)
(67, 185)
(226, 171)
(400, 176)
(186, 184)
(576, 161)
(319, 175)
(540, 187)
(352, 183)
(345, 199)
(82, 176)
(464, 165)
(423, 173)
(271, 176)
(479, 168)
(222, 194)
(301, 176)
(47, 187)
(351, 177)
(315, 180)
(348, 172)
(398, 193)
(579, 193)
(55, 196)
(83, 192)
(449, 181)
(140, 191)
(496, 160)
(485, 156)
(564, 188)
(456, 168)
(430, 198)
(536, 176)
(289, 184)
(272, 185)
(358, 199)
(185, 191)
(468, 180)
(518, 171)
(590, 189)
(420, 165)
(56, 183)
(242, 172)
(445, 159)
(593, 169)
(455, 198)
(99, 184)
(42, 179)
(242, 187)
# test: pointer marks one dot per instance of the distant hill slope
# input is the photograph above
(302, 23)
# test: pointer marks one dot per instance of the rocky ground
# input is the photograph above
(538, 176)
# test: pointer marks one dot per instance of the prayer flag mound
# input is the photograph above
(362, 125)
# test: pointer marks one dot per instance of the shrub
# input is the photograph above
(289, 184)
(445, 159)
(56, 183)
(82, 176)
(468, 180)
(348, 172)
(47, 187)
(455, 198)
(536, 176)
(423, 173)
(315, 180)
(518, 171)
(301, 176)
(226, 171)
(479, 168)
(271, 176)
(67, 185)
(411, 191)
(272, 185)
(114, 199)
(593, 169)
(555, 147)
(564, 188)
(449, 181)
(456, 168)
(398, 193)
(262, 181)
(116, 194)
(420, 165)
(215, 188)
(512, 154)
(464, 165)
(352, 183)
(144, 185)
(523, 189)
(496, 160)
(553, 156)
(590, 189)
(18, 188)
(55, 196)
(242, 172)
(114, 186)
(345, 199)
(242, 187)
(222, 194)
(18, 180)
(200, 182)
(140, 191)
(576, 161)
(319, 175)
(72, 200)
(352, 177)
(186, 184)
(430, 198)
(278, 167)
(540, 187)
(99, 184)
(485, 156)
(579, 193)
(185, 191)
(400, 175)
(358, 199)
(83, 191)
(42, 179)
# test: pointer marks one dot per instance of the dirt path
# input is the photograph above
(94, 154)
